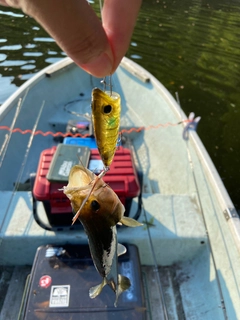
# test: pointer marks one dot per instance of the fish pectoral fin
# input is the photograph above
(129, 222)
(121, 249)
(123, 284)
(95, 291)
(69, 191)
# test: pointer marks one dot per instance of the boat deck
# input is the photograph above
(178, 239)
(189, 243)
(175, 284)
(13, 281)
(177, 236)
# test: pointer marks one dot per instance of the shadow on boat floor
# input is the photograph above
(12, 283)
(5, 278)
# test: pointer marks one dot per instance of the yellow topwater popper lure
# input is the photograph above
(106, 110)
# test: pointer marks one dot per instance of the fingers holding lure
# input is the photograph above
(106, 110)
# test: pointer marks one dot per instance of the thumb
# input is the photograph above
(76, 29)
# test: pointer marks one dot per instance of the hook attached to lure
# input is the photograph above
(105, 84)
(106, 110)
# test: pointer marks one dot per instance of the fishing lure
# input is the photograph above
(106, 109)
(99, 210)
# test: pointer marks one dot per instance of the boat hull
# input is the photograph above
(182, 193)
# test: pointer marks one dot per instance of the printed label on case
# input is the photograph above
(65, 168)
(59, 296)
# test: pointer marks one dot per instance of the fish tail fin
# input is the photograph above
(129, 222)
(96, 290)
(123, 284)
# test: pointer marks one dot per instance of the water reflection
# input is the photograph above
(32, 54)
(22, 38)
(12, 47)
(191, 46)
(12, 14)
(43, 39)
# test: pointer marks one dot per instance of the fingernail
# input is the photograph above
(100, 67)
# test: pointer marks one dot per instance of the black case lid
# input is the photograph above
(60, 281)
(65, 157)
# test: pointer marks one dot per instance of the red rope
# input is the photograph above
(67, 134)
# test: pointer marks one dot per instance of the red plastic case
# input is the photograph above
(122, 178)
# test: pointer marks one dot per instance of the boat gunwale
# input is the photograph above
(47, 71)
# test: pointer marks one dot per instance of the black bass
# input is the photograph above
(106, 110)
(99, 209)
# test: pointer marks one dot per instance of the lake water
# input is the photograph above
(192, 47)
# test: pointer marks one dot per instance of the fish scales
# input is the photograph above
(106, 112)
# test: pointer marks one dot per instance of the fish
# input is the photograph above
(99, 210)
(106, 111)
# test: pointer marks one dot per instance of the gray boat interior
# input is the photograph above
(189, 243)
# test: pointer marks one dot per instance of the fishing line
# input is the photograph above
(29, 145)
(67, 107)
(11, 130)
(141, 209)
(69, 134)
(160, 288)
(205, 223)
(105, 84)
(23, 163)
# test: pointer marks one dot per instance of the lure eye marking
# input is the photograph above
(107, 109)
(95, 205)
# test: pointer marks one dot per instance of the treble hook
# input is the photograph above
(105, 84)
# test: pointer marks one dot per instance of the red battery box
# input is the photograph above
(122, 178)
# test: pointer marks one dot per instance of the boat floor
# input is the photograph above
(13, 279)
(181, 252)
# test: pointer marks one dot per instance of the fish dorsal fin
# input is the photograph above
(79, 180)
(121, 249)
(80, 177)
(129, 222)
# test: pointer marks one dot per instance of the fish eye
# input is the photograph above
(107, 109)
(95, 205)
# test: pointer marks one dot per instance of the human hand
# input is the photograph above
(96, 47)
